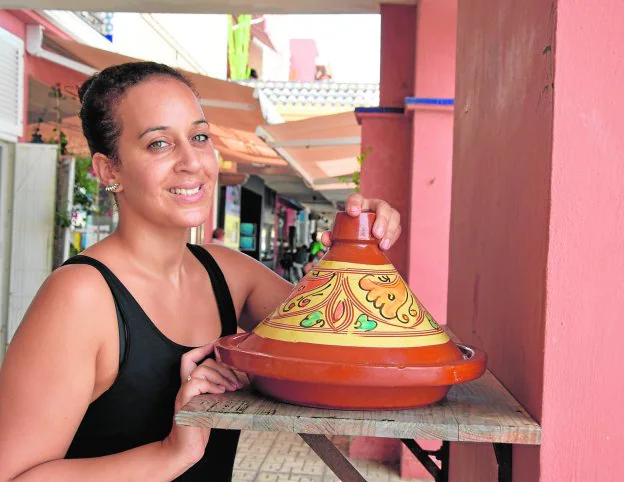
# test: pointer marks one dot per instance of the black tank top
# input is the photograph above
(138, 408)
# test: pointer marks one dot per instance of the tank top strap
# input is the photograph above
(117, 290)
(227, 312)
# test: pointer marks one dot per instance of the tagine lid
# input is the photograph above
(353, 297)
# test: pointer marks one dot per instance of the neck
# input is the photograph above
(152, 250)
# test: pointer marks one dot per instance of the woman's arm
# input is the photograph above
(48, 379)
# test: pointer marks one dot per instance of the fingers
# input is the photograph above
(387, 226)
(218, 374)
(326, 238)
(354, 204)
(192, 358)
(392, 232)
(194, 387)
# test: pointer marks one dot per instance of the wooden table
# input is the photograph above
(480, 411)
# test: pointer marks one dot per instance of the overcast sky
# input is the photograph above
(349, 43)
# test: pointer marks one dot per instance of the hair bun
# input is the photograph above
(82, 90)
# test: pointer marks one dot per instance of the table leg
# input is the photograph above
(332, 457)
(439, 474)
(503, 454)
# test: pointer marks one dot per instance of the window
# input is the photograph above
(11, 86)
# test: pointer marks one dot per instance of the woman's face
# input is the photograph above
(167, 165)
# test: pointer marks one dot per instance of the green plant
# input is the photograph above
(86, 187)
(354, 177)
(239, 36)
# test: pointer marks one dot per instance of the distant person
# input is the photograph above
(299, 261)
(218, 236)
(313, 260)
(316, 245)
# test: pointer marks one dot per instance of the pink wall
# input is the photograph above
(10, 22)
(398, 40)
(583, 383)
(386, 171)
(303, 53)
(500, 204)
(432, 154)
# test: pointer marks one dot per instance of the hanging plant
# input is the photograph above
(354, 177)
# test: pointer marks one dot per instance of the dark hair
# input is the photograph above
(100, 97)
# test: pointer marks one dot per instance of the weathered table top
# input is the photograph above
(479, 411)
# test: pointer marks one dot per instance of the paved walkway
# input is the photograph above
(285, 457)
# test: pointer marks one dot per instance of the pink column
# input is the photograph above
(432, 157)
(500, 205)
(432, 154)
(583, 385)
(387, 132)
(386, 172)
(537, 233)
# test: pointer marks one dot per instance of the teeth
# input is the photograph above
(185, 192)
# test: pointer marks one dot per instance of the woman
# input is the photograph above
(121, 336)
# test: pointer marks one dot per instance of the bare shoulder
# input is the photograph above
(73, 297)
(56, 350)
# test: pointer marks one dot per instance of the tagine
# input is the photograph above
(352, 335)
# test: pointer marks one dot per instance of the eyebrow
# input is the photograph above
(164, 128)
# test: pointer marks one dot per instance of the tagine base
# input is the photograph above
(348, 398)
(298, 376)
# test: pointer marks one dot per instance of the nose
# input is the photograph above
(188, 158)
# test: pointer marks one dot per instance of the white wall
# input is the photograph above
(192, 42)
(32, 226)
(7, 154)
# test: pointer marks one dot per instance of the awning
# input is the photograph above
(233, 145)
(225, 103)
(319, 148)
(243, 147)
(232, 110)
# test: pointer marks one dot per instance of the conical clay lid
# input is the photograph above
(353, 304)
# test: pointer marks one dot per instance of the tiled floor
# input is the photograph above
(285, 457)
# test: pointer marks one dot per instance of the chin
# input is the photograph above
(192, 221)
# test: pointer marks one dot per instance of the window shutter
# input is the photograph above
(11, 84)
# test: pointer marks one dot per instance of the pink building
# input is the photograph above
(303, 54)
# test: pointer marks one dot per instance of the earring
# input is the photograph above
(112, 187)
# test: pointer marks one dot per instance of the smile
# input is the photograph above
(187, 194)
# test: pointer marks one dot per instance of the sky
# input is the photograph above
(350, 44)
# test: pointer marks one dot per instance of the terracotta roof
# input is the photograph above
(318, 93)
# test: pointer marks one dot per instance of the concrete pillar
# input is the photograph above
(537, 226)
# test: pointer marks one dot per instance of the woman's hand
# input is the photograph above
(197, 375)
(387, 227)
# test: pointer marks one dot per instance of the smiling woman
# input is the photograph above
(121, 336)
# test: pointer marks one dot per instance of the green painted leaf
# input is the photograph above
(312, 319)
(364, 324)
